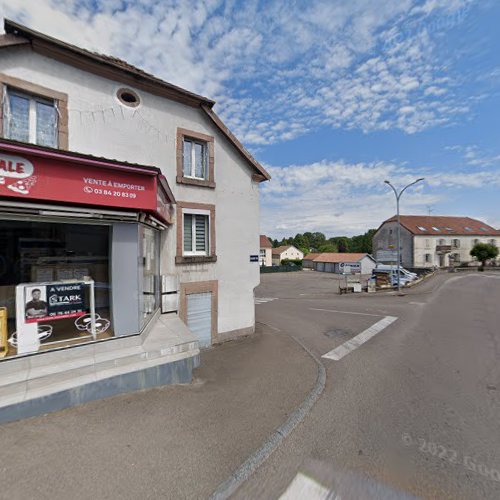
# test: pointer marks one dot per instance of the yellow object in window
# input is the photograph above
(4, 346)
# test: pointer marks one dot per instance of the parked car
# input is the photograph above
(384, 267)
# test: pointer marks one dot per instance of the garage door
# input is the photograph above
(320, 266)
(199, 317)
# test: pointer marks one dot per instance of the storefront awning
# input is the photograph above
(33, 173)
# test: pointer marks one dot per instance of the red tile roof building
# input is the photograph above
(264, 242)
(431, 224)
(429, 241)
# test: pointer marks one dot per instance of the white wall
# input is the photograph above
(290, 253)
(267, 259)
(367, 265)
(426, 244)
(100, 125)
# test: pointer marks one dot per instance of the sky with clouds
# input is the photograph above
(331, 96)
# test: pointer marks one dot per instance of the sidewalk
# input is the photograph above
(168, 442)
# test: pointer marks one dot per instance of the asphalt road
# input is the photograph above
(415, 408)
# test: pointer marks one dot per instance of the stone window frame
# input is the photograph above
(38, 90)
(182, 134)
(180, 258)
(191, 288)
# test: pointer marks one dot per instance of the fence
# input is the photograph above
(279, 269)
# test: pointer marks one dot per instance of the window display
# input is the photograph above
(55, 262)
(150, 272)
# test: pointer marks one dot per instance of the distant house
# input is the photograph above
(286, 252)
(432, 241)
(266, 251)
(339, 263)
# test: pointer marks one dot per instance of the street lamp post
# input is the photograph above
(398, 196)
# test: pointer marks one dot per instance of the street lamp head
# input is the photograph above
(421, 179)
(387, 182)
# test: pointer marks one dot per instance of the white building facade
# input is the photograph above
(195, 253)
(286, 252)
(432, 241)
(266, 251)
(341, 263)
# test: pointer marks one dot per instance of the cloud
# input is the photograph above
(337, 197)
(472, 155)
(354, 65)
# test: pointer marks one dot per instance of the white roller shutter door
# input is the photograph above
(199, 317)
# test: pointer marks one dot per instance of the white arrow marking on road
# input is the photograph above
(354, 343)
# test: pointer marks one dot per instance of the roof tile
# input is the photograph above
(425, 224)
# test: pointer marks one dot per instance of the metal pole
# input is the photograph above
(398, 196)
(92, 310)
(399, 244)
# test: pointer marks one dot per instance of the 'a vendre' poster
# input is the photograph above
(54, 301)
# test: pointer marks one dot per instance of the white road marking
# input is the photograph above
(344, 312)
(263, 300)
(304, 486)
(354, 343)
(417, 303)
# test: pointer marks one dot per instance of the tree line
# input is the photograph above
(317, 242)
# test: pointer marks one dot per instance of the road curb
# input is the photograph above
(250, 465)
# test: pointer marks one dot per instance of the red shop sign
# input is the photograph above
(63, 180)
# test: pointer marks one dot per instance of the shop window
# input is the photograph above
(195, 158)
(30, 118)
(40, 253)
(150, 267)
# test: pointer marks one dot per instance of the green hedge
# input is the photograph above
(279, 269)
(296, 262)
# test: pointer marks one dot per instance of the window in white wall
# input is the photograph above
(195, 233)
(30, 118)
(428, 257)
(427, 243)
(456, 243)
(493, 242)
(195, 159)
(476, 241)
